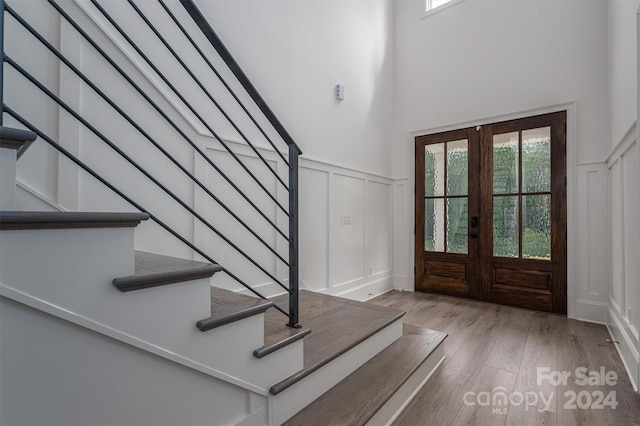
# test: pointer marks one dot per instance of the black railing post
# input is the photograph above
(294, 270)
(1, 58)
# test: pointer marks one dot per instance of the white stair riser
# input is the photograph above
(72, 270)
(7, 179)
(59, 265)
(55, 372)
(293, 399)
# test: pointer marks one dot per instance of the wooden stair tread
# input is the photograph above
(15, 138)
(21, 220)
(338, 325)
(360, 395)
(154, 270)
(228, 306)
(277, 334)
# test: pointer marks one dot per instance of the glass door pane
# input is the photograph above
(505, 163)
(506, 240)
(457, 167)
(522, 194)
(446, 181)
(457, 235)
(433, 221)
(536, 160)
(434, 170)
(536, 224)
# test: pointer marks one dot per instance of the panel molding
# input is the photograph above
(381, 278)
(625, 193)
(623, 144)
(626, 346)
(592, 241)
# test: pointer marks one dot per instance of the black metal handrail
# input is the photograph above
(291, 162)
(294, 150)
(228, 59)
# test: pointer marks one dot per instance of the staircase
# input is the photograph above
(76, 276)
(99, 325)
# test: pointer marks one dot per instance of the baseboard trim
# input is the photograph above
(587, 310)
(366, 290)
(625, 347)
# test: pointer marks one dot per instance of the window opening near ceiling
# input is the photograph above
(434, 6)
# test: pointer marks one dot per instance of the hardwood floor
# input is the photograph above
(495, 350)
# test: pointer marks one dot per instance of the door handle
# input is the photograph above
(474, 234)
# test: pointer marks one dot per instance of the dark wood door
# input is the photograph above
(501, 235)
(447, 191)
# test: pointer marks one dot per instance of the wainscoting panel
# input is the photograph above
(346, 233)
(624, 290)
(348, 229)
(631, 247)
(314, 229)
(378, 228)
(616, 290)
(233, 230)
(402, 235)
(592, 247)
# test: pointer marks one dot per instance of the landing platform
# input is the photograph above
(377, 392)
(337, 325)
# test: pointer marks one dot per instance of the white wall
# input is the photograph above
(294, 52)
(481, 61)
(623, 66)
(624, 171)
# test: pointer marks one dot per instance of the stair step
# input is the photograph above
(154, 270)
(17, 220)
(338, 325)
(228, 306)
(277, 334)
(15, 138)
(356, 399)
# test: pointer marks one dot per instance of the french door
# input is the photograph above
(491, 212)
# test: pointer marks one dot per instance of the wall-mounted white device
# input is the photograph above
(339, 92)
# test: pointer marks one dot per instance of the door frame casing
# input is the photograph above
(571, 172)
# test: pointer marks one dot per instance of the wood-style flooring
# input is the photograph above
(336, 324)
(494, 350)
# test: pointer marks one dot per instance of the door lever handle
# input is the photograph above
(474, 234)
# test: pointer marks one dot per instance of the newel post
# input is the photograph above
(294, 270)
